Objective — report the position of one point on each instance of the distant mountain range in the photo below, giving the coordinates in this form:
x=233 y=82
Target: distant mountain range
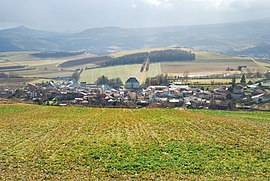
x=229 y=37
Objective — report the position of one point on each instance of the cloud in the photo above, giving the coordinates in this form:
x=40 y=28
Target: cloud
x=80 y=14
x=134 y=5
x=159 y=2
x=153 y=2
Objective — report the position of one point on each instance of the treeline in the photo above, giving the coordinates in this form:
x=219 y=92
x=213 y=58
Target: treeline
x=72 y=63
x=154 y=56
x=159 y=80
x=10 y=75
x=114 y=83
x=56 y=54
x=11 y=67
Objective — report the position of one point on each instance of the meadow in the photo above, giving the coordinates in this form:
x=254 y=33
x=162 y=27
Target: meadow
x=122 y=71
x=46 y=143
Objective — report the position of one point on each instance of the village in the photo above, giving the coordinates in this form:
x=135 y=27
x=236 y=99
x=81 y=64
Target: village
x=134 y=95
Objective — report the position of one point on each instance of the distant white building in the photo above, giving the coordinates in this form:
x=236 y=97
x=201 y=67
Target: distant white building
x=132 y=83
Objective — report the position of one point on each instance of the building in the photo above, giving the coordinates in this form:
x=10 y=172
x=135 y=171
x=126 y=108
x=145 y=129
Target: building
x=132 y=83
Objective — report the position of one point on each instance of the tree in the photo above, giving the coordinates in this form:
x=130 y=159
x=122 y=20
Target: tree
x=147 y=81
x=243 y=79
x=115 y=83
x=185 y=76
x=267 y=75
x=102 y=80
x=250 y=82
x=76 y=76
x=233 y=83
x=158 y=80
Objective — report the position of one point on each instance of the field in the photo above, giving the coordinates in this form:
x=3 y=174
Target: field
x=128 y=52
x=216 y=81
x=206 y=63
x=206 y=66
x=46 y=143
x=37 y=68
x=122 y=71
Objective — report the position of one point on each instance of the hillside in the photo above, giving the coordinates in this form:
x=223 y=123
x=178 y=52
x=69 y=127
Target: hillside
x=261 y=50
x=26 y=39
x=213 y=37
x=46 y=143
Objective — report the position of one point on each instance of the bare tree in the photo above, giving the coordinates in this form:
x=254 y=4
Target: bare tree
x=185 y=76
x=76 y=76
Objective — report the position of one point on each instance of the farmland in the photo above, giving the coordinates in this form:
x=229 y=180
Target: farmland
x=123 y=71
x=45 y=143
x=30 y=67
x=206 y=63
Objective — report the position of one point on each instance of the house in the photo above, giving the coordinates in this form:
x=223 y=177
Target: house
x=235 y=96
x=261 y=98
x=220 y=95
x=204 y=95
x=196 y=104
x=218 y=105
x=267 y=83
x=265 y=98
x=132 y=83
x=238 y=90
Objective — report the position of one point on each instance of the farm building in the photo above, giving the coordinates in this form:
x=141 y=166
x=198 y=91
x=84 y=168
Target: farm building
x=132 y=83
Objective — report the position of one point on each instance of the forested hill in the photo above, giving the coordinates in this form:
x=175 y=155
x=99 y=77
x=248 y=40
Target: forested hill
x=154 y=56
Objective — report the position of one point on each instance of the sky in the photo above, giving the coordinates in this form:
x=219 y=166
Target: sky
x=77 y=15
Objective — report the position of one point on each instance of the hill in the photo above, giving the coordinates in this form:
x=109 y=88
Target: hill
x=46 y=143
x=26 y=39
x=261 y=50
x=213 y=37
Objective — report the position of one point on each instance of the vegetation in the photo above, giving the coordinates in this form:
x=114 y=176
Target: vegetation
x=76 y=76
x=69 y=143
x=115 y=83
x=154 y=56
x=57 y=54
x=121 y=71
x=243 y=79
x=10 y=75
x=161 y=80
x=83 y=61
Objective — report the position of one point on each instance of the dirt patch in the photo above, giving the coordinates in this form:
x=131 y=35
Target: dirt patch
x=13 y=101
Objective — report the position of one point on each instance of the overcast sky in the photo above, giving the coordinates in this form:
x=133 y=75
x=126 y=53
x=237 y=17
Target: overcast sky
x=77 y=15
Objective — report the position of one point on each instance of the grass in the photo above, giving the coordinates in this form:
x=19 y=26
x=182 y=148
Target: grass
x=222 y=81
x=206 y=63
x=44 y=68
x=46 y=143
x=207 y=66
x=128 y=52
x=123 y=71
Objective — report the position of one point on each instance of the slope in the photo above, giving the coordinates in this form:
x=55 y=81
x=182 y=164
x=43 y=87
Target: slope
x=40 y=143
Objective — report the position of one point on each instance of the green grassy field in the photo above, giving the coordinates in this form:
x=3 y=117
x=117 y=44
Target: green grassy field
x=122 y=71
x=46 y=143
